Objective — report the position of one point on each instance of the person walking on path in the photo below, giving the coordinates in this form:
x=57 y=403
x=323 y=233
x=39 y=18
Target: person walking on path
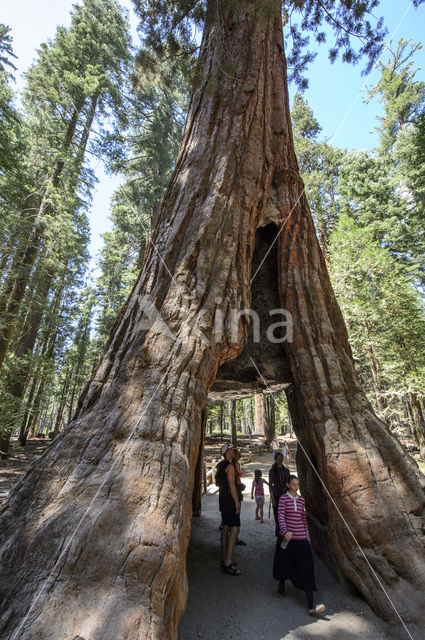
x=293 y=558
x=230 y=509
x=286 y=453
x=278 y=478
x=258 y=488
x=275 y=444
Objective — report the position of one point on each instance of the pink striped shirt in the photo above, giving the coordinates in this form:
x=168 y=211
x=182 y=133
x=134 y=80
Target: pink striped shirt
x=291 y=515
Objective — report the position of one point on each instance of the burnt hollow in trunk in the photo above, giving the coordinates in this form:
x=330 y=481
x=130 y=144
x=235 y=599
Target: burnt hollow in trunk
x=99 y=528
x=261 y=366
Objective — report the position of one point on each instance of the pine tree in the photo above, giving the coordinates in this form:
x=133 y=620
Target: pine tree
x=72 y=86
x=74 y=81
x=402 y=96
x=369 y=192
x=384 y=313
x=319 y=164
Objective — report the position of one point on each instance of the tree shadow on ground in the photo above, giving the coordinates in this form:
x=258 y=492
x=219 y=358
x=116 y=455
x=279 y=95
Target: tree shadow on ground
x=248 y=606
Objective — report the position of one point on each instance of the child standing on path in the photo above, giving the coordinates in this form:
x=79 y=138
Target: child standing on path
x=258 y=488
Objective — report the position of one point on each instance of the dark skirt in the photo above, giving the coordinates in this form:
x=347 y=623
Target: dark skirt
x=295 y=563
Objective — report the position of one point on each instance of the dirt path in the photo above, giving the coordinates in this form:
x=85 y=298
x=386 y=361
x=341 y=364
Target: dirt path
x=20 y=458
x=222 y=607
x=246 y=607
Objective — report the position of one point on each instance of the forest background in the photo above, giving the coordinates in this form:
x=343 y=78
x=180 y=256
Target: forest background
x=85 y=103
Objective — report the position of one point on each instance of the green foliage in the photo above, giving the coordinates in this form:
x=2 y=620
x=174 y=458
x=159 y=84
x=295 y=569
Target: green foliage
x=76 y=82
x=319 y=167
x=369 y=214
x=11 y=142
x=402 y=96
x=245 y=414
x=385 y=192
x=384 y=314
x=369 y=192
x=6 y=49
x=409 y=156
x=168 y=28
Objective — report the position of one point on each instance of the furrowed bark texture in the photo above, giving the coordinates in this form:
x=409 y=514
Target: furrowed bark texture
x=95 y=535
x=104 y=516
x=374 y=491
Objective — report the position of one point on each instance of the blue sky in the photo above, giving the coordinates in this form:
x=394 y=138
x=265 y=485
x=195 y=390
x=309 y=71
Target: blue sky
x=336 y=92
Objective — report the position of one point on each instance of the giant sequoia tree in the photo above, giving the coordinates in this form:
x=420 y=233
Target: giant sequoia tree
x=94 y=536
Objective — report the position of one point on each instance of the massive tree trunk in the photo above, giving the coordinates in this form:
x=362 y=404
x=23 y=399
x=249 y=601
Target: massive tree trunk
x=95 y=536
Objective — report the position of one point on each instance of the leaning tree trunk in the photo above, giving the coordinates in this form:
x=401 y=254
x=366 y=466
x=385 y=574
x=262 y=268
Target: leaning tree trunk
x=94 y=537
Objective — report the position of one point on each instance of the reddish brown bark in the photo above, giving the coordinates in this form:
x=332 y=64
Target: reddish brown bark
x=259 y=413
x=374 y=492
x=104 y=518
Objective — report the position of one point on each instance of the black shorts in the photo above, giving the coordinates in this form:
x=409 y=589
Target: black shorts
x=228 y=511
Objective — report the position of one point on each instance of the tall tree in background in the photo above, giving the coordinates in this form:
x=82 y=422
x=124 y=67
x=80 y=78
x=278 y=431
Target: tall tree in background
x=318 y=163
x=73 y=85
x=112 y=474
x=369 y=192
x=385 y=315
x=12 y=151
x=402 y=95
x=75 y=79
x=9 y=117
x=402 y=149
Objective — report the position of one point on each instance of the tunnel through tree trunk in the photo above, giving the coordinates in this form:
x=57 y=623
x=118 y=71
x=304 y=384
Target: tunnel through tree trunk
x=97 y=529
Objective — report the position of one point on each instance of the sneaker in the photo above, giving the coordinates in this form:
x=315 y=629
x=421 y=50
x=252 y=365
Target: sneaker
x=257 y=518
x=242 y=542
x=317 y=608
x=262 y=520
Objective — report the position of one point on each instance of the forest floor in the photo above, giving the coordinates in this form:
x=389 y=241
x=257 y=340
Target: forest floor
x=248 y=607
x=20 y=458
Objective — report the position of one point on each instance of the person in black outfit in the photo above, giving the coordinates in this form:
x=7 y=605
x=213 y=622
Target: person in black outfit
x=278 y=479
x=229 y=507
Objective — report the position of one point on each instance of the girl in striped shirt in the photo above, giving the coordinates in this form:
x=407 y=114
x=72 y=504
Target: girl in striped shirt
x=293 y=556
